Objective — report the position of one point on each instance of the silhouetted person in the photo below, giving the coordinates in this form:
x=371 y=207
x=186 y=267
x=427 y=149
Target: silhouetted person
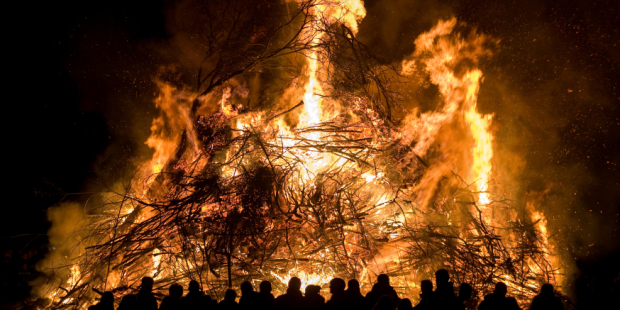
x=207 y=303
x=146 y=300
x=426 y=296
x=405 y=304
x=443 y=296
x=385 y=302
x=381 y=288
x=128 y=302
x=195 y=298
x=465 y=291
x=355 y=299
x=546 y=299
x=498 y=300
x=173 y=300
x=105 y=303
x=313 y=299
x=293 y=298
x=266 y=300
x=338 y=301
x=229 y=302
x=249 y=298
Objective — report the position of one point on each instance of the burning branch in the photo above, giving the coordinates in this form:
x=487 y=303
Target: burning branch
x=347 y=191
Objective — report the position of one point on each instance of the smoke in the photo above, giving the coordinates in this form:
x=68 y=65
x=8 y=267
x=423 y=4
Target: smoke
x=65 y=235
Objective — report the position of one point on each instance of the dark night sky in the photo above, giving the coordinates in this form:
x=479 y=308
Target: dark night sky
x=81 y=91
x=82 y=73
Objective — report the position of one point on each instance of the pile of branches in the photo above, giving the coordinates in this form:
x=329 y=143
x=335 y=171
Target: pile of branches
x=247 y=206
x=237 y=203
x=453 y=234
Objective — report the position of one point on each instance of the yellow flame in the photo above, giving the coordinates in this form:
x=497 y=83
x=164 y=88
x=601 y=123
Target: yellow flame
x=156 y=262
x=541 y=220
x=157 y=167
x=159 y=140
x=319 y=278
x=438 y=54
x=347 y=12
x=226 y=108
x=483 y=140
x=74 y=278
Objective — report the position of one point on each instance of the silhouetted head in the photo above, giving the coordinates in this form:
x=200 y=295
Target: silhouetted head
x=353 y=285
x=265 y=287
x=107 y=298
x=246 y=288
x=294 y=283
x=230 y=295
x=442 y=276
x=129 y=301
x=194 y=286
x=501 y=289
x=147 y=284
x=384 y=303
x=176 y=290
x=336 y=285
x=465 y=291
x=546 y=290
x=426 y=286
x=383 y=279
x=405 y=304
x=313 y=290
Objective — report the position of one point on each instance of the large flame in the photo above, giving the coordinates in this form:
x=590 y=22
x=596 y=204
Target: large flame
x=483 y=147
x=302 y=150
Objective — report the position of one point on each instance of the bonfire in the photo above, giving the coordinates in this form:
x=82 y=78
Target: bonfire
x=321 y=174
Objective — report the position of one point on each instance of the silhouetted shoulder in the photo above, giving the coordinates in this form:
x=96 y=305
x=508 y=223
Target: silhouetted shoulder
x=146 y=300
x=293 y=299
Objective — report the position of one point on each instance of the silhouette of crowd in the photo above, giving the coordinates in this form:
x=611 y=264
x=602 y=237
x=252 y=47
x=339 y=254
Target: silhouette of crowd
x=344 y=296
